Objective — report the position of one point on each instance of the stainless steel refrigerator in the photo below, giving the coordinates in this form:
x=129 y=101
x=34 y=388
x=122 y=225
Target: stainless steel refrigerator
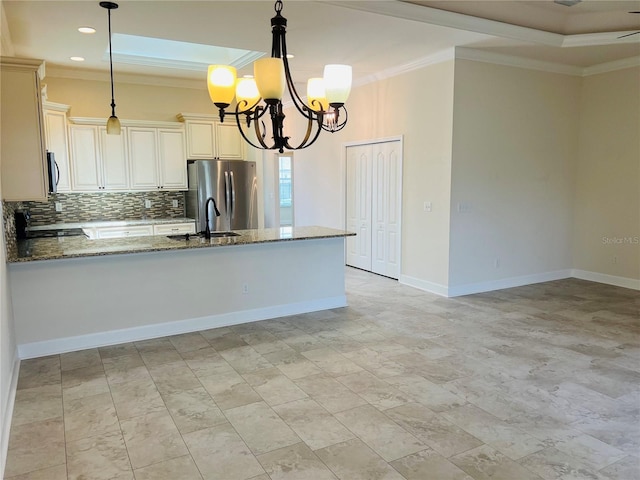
x=234 y=187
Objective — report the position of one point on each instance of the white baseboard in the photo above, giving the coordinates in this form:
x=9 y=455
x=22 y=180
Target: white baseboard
x=114 y=337
x=510 y=282
x=7 y=415
x=624 y=282
x=420 y=284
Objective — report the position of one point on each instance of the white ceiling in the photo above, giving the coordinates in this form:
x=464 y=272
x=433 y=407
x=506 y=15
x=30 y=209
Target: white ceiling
x=375 y=37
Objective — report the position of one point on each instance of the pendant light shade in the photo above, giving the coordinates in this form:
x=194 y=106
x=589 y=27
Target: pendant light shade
x=337 y=83
x=221 y=82
x=247 y=94
x=269 y=75
x=113 y=124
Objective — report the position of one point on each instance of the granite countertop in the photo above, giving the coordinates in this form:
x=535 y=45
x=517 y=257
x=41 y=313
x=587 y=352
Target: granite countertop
x=74 y=247
x=110 y=223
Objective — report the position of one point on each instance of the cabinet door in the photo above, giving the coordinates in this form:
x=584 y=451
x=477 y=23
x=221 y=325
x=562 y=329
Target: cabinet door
x=174 y=228
x=229 y=143
x=23 y=159
x=172 y=162
x=85 y=158
x=120 y=232
x=200 y=140
x=143 y=158
x=114 y=160
x=56 y=134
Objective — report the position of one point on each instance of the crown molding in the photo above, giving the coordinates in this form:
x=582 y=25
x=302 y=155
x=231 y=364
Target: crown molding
x=520 y=62
x=464 y=53
x=57 y=107
x=434 y=16
x=611 y=66
x=125 y=122
x=596 y=39
x=123 y=77
x=438 y=57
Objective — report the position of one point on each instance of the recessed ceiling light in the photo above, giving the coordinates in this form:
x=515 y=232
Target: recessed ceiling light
x=77 y=59
x=87 y=30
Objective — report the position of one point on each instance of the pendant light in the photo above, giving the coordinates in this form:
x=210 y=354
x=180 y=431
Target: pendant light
x=113 y=124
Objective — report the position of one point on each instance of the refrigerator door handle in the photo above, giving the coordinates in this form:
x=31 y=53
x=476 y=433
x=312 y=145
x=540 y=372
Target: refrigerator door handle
x=233 y=196
x=227 y=187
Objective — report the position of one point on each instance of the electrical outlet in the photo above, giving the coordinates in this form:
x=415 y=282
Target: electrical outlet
x=496 y=263
x=58 y=206
x=147 y=204
x=174 y=203
x=427 y=206
x=245 y=288
x=614 y=260
x=464 y=207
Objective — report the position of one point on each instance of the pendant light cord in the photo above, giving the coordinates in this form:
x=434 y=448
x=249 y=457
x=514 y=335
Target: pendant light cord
x=113 y=102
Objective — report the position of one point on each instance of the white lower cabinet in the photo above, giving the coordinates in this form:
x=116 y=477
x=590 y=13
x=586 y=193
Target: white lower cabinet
x=121 y=232
x=174 y=228
x=140 y=230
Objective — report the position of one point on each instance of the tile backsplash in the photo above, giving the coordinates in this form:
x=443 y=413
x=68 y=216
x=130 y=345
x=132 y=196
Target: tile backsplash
x=82 y=207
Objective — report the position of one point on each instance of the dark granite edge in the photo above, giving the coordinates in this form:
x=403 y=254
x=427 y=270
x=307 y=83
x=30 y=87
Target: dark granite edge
x=105 y=247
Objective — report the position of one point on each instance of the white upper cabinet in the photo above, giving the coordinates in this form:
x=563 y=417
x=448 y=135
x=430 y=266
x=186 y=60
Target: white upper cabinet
x=98 y=160
x=85 y=157
x=200 y=140
x=208 y=138
x=113 y=152
x=55 y=127
x=143 y=156
x=23 y=158
x=230 y=144
x=157 y=159
x=171 y=159
x=146 y=156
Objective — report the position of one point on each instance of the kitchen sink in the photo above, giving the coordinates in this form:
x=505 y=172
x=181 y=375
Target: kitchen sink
x=224 y=234
x=187 y=236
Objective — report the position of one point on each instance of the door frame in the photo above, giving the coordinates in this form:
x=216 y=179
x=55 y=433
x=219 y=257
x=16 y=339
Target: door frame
x=343 y=193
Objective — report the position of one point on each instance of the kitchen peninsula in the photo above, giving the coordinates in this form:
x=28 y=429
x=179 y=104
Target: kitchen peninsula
x=75 y=293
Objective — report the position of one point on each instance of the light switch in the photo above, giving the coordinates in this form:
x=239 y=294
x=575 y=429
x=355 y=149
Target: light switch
x=147 y=204
x=174 y=203
x=58 y=206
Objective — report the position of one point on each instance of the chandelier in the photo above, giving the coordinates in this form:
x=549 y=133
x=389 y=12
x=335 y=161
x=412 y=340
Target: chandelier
x=259 y=99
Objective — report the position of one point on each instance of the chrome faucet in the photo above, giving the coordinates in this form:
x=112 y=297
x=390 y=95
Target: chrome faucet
x=207 y=231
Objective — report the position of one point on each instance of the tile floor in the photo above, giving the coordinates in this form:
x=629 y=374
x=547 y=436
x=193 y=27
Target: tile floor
x=536 y=382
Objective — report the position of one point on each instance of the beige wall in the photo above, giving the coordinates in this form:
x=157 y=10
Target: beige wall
x=418 y=106
x=90 y=98
x=607 y=176
x=8 y=354
x=514 y=145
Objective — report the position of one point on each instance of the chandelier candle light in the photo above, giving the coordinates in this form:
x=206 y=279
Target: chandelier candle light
x=323 y=110
x=113 y=124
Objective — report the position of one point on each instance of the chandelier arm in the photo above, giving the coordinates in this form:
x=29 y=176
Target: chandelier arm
x=297 y=101
x=240 y=127
x=305 y=142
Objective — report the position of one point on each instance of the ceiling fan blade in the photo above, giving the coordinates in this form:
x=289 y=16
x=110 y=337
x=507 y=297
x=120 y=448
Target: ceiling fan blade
x=629 y=34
